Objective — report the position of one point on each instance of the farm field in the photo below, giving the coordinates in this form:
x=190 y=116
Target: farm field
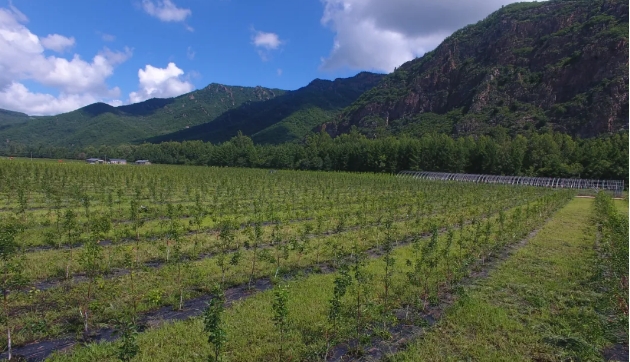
x=550 y=301
x=312 y=265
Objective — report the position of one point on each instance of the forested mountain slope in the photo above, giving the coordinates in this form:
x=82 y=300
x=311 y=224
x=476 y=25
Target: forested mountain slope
x=10 y=117
x=285 y=118
x=528 y=66
x=102 y=124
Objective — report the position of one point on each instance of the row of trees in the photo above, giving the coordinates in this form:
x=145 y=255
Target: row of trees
x=363 y=299
x=283 y=246
x=548 y=154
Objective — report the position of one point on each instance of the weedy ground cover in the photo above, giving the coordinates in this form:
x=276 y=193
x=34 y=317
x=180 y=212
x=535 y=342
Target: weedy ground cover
x=547 y=302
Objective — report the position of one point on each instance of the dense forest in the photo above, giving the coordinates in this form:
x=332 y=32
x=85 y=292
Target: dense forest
x=546 y=154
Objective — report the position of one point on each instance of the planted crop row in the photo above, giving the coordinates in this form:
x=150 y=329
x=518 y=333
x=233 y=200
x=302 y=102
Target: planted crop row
x=310 y=318
x=199 y=243
x=123 y=241
x=180 y=280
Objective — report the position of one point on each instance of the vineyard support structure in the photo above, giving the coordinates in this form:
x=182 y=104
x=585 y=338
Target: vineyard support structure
x=616 y=187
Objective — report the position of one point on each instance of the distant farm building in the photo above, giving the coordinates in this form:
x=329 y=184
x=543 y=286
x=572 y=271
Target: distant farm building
x=143 y=162
x=94 y=161
x=117 y=161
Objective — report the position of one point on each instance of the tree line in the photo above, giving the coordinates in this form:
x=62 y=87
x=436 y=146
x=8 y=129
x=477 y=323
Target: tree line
x=547 y=154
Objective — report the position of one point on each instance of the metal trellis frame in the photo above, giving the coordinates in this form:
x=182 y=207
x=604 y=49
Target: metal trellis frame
x=614 y=186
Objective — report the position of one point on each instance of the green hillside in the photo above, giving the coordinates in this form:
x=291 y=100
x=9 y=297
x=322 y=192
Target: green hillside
x=285 y=118
x=10 y=118
x=526 y=67
x=102 y=124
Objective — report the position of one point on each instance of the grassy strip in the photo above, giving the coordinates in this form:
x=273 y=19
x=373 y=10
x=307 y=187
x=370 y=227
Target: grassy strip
x=612 y=247
x=541 y=304
x=622 y=207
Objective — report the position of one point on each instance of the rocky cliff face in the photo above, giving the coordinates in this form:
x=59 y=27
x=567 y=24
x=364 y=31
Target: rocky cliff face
x=559 y=64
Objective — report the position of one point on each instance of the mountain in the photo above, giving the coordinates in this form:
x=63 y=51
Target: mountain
x=285 y=118
x=103 y=124
x=10 y=118
x=528 y=66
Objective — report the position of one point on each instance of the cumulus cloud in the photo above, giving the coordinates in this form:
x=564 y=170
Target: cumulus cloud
x=160 y=83
x=165 y=10
x=266 y=40
x=265 y=43
x=57 y=42
x=381 y=35
x=79 y=82
x=18 y=98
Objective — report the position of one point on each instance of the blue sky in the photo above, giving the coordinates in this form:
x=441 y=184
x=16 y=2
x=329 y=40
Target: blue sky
x=59 y=55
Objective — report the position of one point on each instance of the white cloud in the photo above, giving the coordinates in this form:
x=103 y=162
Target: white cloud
x=265 y=43
x=77 y=81
x=381 y=35
x=165 y=10
x=190 y=53
x=115 y=103
x=267 y=40
x=18 y=98
x=279 y=72
x=57 y=42
x=17 y=13
x=160 y=83
x=108 y=37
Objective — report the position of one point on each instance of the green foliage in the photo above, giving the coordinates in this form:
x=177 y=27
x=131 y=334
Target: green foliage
x=281 y=314
x=342 y=281
x=9 y=118
x=9 y=229
x=543 y=153
x=128 y=345
x=213 y=324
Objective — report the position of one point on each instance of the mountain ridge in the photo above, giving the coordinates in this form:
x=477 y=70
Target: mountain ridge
x=557 y=64
x=100 y=123
x=288 y=117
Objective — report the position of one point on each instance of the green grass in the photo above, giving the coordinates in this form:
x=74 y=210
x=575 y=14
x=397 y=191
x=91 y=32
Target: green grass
x=541 y=304
x=622 y=206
